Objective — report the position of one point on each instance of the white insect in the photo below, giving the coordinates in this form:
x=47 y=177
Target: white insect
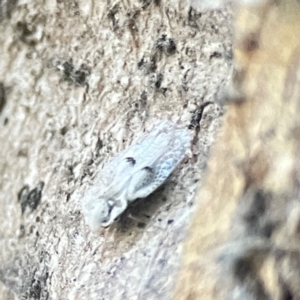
x=135 y=173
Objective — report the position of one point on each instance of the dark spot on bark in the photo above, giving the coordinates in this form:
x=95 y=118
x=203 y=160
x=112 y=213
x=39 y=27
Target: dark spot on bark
x=141 y=225
x=71 y=74
x=193 y=16
x=2 y=96
x=196 y=118
x=215 y=55
x=30 y=199
x=99 y=144
x=159 y=80
x=63 y=130
x=141 y=63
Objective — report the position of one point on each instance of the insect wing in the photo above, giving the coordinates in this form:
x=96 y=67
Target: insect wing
x=162 y=162
x=118 y=168
x=172 y=157
x=148 y=149
x=161 y=148
x=158 y=137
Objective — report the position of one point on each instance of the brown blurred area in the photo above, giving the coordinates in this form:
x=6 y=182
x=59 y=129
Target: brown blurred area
x=244 y=239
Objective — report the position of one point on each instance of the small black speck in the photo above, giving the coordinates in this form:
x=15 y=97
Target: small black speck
x=80 y=77
x=171 y=48
x=149 y=169
x=34 y=196
x=141 y=63
x=90 y=162
x=170 y=221
x=131 y=160
x=164 y=199
x=141 y=225
x=73 y=75
x=99 y=144
x=215 y=55
x=2 y=97
x=63 y=130
x=159 y=80
x=30 y=199
x=68 y=68
x=195 y=122
x=164 y=91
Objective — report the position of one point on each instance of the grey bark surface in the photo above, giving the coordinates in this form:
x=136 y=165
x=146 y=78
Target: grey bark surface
x=79 y=80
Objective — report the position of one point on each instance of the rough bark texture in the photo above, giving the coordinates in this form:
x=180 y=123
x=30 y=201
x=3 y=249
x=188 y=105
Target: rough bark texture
x=79 y=80
x=244 y=237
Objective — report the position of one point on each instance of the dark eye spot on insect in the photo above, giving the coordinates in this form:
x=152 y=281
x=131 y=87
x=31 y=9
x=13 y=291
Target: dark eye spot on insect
x=131 y=160
x=149 y=169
